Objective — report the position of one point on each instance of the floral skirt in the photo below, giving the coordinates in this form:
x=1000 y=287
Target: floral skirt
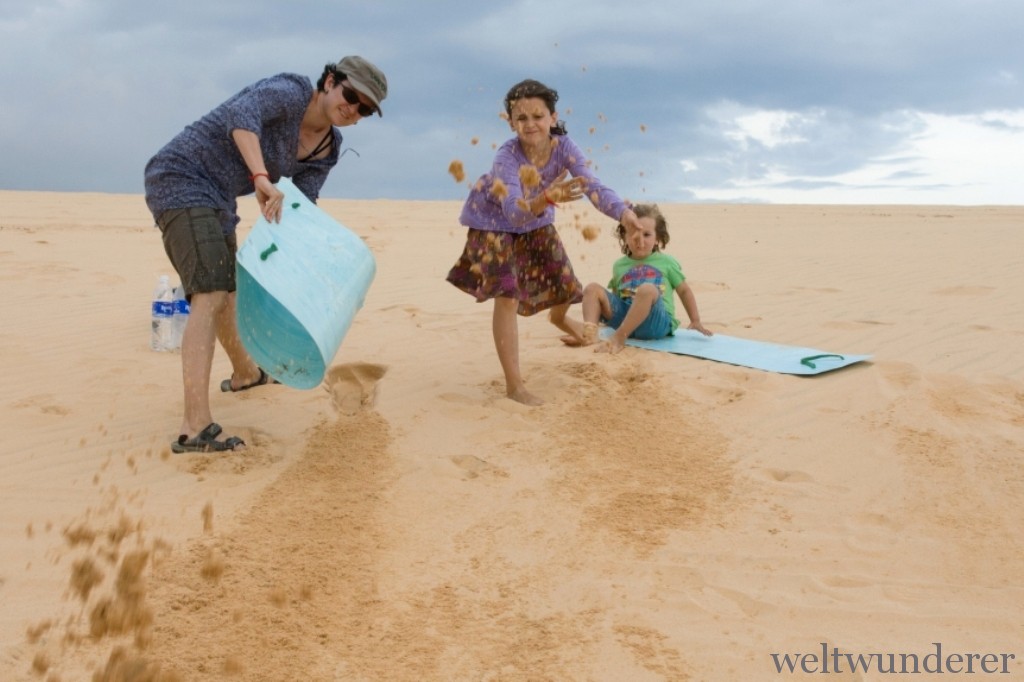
x=531 y=268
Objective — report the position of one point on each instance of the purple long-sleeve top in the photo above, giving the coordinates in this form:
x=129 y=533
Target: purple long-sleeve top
x=202 y=167
x=505 y=211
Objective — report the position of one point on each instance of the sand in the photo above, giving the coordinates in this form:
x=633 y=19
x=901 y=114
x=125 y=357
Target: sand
x=660 y=518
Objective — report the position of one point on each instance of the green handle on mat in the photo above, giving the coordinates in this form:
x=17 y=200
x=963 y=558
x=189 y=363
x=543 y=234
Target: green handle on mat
x=269 y=250
x=809 y=358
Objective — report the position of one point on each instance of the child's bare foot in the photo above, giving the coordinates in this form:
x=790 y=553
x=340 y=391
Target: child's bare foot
x=612 y=345
x=521 y=395
x=582 y=334
x=589 y=333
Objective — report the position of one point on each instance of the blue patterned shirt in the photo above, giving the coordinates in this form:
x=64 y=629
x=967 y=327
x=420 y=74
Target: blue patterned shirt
x=202 y=167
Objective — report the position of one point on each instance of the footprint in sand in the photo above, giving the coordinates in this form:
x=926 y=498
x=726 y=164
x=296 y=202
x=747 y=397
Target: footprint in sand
x=474 y=467
x=724 y=601
x=900 y=375
x=817 y=290
x=353 y=386
x=872 y=533
x=788 y=476
x=705 y=287
x=746 y=322
x=45 y=402
x=852 y=324
x=459 y=399
x=965 y=290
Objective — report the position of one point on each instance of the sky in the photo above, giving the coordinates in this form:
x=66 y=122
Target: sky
x=788 y=101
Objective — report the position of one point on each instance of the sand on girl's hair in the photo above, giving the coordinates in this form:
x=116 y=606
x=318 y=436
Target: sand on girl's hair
x=660 y=518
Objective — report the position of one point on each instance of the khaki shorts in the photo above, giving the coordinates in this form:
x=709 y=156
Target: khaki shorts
x=202 y=254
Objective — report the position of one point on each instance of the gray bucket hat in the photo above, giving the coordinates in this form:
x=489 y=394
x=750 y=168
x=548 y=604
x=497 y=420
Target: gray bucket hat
x=366 y=78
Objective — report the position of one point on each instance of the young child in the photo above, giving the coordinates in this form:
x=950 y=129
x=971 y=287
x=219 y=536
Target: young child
x=638 y=302
x=513 y=253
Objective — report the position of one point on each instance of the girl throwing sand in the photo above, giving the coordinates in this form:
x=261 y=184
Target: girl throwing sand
x=513 y=253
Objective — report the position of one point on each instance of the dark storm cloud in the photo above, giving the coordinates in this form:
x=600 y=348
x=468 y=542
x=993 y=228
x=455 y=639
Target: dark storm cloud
x=93 y=88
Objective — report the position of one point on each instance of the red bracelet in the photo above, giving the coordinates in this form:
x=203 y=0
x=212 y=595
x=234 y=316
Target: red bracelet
x=256 y=175
x=548 y=199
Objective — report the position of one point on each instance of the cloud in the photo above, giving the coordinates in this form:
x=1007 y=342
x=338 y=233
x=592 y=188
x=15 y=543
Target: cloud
x=748 y=93
x=905 y=157
x=769 y=129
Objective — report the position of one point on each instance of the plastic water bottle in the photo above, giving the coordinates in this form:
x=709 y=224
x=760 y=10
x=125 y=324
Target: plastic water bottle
x=180 y=317
x=163 y=315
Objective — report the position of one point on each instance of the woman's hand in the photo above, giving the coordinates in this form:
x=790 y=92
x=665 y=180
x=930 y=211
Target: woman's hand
x=269 y=198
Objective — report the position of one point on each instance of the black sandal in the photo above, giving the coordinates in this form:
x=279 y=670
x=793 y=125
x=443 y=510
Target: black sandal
x=225 y=386
x=206 y=441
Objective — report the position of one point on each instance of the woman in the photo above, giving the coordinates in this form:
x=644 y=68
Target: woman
x=277 y=127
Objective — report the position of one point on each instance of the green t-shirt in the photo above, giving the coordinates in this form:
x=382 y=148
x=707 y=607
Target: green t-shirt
x=659 y=269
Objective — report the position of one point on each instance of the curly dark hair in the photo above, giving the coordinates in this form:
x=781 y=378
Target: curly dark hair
x=330 y=70
x=532 y=88
x=660 y=226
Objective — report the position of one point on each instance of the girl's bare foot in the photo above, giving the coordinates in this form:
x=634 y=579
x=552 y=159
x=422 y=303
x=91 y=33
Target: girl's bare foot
x=521 y=395
x=582 y=334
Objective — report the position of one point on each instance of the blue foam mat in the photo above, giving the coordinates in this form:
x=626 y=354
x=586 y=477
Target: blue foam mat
x=770 y=357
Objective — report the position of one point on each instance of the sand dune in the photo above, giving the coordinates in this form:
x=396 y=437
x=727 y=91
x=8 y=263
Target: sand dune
x=661 y=518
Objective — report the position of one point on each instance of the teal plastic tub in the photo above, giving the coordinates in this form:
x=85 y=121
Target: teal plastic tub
x=300 y=284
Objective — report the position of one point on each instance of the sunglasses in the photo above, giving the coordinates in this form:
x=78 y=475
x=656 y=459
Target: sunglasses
x=352 y=97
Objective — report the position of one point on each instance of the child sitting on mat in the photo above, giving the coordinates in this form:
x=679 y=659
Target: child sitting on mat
x=638 y=302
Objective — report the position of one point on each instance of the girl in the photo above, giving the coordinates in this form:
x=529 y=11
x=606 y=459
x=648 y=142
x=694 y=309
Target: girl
x=513 y=253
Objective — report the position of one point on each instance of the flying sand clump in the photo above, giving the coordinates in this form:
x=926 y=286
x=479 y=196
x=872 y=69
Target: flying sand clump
x=456 y=170
x=213 y=566
x=126 y=666
x=85 y=576
x=529 y=175
x=207 y=515
x=126 y=611
x=498 y=189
